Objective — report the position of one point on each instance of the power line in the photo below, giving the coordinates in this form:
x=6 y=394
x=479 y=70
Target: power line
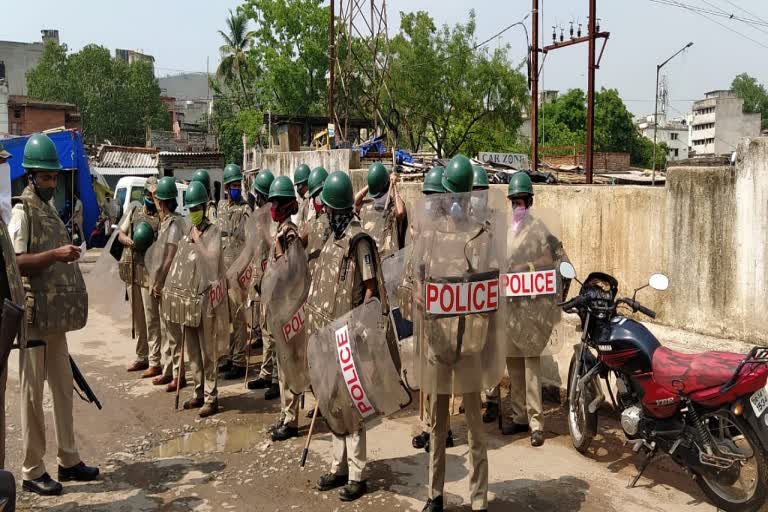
x=718 y=12
x=746 y=11
x=756 y=27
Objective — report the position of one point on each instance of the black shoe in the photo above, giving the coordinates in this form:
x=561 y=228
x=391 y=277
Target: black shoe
x=284 y=433
x=537 y=438
x=421 y=440
x=514 y=428
x=234 y=372
x=434 y=505
x=449 y=439
x=78 y=473
x=273 y=392
x=44 y=486
x=225 y=366
x=491 y=413
x=258 y=383
x=353 y=490
x=331 y=481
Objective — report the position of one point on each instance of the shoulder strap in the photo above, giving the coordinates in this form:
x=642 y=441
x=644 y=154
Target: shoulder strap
x=362 y=235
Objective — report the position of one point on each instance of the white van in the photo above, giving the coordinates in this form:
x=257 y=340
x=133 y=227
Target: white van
x=131 y=188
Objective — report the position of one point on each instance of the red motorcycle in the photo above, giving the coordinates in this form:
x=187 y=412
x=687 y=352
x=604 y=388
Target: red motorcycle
x=707 y=411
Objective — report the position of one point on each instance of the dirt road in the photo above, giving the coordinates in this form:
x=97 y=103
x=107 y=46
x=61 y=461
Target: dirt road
x=153 y=458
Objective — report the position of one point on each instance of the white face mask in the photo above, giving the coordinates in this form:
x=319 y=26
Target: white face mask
x=5 y=192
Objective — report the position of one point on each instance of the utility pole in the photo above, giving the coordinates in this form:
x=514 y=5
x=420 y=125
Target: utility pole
x=593 y=32
x=332 y=68
x=534 y=74
x=590 y=91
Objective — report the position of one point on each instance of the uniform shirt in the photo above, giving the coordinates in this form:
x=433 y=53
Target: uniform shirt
x=366 y=269
x=19 y=228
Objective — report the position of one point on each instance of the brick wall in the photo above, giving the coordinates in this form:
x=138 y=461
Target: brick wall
x=602 y=161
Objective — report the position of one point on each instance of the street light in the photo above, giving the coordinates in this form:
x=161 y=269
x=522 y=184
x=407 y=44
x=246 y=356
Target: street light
x=656 y=106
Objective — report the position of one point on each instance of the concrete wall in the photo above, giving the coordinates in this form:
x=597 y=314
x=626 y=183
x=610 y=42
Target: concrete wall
x=283 y=164
x=731 y=124
x=602 y=161
x=19 y=58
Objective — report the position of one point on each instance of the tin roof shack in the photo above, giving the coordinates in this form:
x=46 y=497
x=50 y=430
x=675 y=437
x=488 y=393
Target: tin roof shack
x=114 y=162
x=27 y=116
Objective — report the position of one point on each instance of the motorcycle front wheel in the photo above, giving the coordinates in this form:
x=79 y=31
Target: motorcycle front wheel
x=582 y=424
x=743 y=487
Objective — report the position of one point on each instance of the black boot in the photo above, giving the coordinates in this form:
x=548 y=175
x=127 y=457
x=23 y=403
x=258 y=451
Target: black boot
x=331 y=481
x=420 y=441
x=434 y=505
x=284 y=433
x=449 y=439
x=537 y=438
x=510 y=429
x=353 y=490
x=225 y=366
x=78 y=473
x=273 y=392
x=258 y=383
x=491 y=413
x=234 y=372
x=44 y=486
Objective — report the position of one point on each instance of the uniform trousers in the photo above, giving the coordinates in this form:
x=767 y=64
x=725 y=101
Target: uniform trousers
x=151 y=315
x=238 y=338
x=139 y=323
x=524 y=391
x=201 y=354
x=349 y=455
x=171 y=346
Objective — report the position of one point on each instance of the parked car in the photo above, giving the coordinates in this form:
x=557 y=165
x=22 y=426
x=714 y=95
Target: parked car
x=131 y=188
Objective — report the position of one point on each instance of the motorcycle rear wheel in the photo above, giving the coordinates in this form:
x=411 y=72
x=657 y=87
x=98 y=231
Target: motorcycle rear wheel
x=582 y=424
x=744 y=486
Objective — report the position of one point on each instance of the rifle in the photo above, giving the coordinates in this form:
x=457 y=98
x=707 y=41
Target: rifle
x=89 y=397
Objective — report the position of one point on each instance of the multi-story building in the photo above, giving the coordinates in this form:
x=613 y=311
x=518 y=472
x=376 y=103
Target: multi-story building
x=673 y=133
x=719 y=123
x=18 y=58
x=131 y=56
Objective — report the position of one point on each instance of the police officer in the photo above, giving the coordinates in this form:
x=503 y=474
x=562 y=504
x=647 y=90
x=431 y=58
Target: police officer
x=56 y=302
x=346 y=276
x=284 y=204
x=381 y=209
x=267 y=378
x=315 y=231
x=199 y=263
x=204 y=177
x=232 y=214
x=300 y=179
x=145 y=309
x=169 y=235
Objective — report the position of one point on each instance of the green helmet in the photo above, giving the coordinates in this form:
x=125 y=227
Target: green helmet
x=281 y=187
x=263 y=181
x=458 y=176
x=40 y=154
x=301 y=174
x=196 y=195
x=143 y=236
x=166 y=189
x=520 y=183
x=480 y=181
x=337 y=191
x=232 y=174
x=316 y=179
x=203 y=177
x=378 y=179
x=433 y=181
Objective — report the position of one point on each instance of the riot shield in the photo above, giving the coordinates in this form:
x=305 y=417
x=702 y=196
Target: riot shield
x=393 y=268
x=106 y=289
x=247 y=269
x=531 y=284
x=284 y=291
x=153 y=257
x=454 y=282
x=351 y=370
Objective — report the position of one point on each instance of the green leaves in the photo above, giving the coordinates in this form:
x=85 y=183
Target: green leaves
x=117 y=101
x=754 y=95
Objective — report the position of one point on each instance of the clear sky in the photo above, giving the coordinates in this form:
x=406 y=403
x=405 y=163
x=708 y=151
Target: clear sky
x=182 y=34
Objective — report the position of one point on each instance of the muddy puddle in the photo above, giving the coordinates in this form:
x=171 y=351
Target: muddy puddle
x=221 y=439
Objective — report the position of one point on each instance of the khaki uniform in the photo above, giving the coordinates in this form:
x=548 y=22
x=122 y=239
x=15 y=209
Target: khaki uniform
x=187 y=304
x=529 y=324
x=318 y=233
x=170 y=333
x=231 y=221
x=56 y=302
x=305 y=208
x=211 y=211
x=382 y=225
x=337 y=287
x=145 y=309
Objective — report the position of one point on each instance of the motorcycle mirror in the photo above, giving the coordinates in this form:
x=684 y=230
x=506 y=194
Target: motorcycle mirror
x=567 y=270
x=658 y=282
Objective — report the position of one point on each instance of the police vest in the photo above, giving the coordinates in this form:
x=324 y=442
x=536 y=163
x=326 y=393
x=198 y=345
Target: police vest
x=318 y=233
x=382 y=226
x=231 y=221
x=56 y=298
x=131 y=266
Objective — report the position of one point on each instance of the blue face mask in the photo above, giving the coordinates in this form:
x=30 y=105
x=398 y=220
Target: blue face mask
x=149 y=204
x=234 y=194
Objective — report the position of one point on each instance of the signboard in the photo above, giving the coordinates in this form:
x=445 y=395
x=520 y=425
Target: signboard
x=462 y=298
x=529 y=284
x=331 y=130
x=349 y=372
x=517 y=160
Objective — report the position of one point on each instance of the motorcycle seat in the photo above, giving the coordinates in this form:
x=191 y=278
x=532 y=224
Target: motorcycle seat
x=678 y=371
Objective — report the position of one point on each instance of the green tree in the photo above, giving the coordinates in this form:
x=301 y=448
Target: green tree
x=451 y=95
x=234 y=62
x=117 y=101
x=754 y=95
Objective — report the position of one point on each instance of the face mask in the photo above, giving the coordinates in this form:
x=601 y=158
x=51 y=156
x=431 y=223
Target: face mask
x=339 y=220
x=280 y=213
x=380 y=202
x=43 y=193
x=519 y=213
x=318 y=205
x=197 y=217
x=5 y=192
x=234 y=195
x=150 y=205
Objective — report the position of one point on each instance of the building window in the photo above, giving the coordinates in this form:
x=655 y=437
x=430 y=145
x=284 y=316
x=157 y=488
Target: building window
x=676 y=153
x=17 y=114
x=673 y=136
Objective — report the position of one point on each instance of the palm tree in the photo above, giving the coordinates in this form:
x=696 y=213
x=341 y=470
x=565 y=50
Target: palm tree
x=233 y=51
